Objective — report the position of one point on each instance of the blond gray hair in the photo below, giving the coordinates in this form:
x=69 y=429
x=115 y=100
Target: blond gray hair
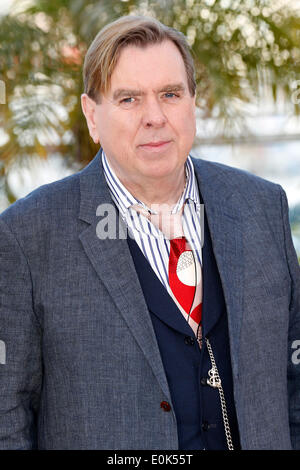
x=103 y=53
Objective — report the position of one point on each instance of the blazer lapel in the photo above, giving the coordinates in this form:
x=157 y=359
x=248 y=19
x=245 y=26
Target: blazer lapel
x=113 y=263
x=225 y=222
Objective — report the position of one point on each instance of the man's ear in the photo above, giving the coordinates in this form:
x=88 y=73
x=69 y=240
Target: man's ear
x=88 y=107
x=195 y=99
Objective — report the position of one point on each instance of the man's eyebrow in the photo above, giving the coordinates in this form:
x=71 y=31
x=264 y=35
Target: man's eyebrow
x=173 y=87
x=120 y=92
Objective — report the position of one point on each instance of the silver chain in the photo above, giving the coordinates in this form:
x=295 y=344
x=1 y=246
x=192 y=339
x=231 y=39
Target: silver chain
x=214 y=381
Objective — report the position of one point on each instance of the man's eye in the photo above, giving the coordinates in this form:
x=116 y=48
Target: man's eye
x=170 y=94
x=127 y=100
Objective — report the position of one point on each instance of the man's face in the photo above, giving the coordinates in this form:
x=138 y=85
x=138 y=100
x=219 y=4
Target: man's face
x=146 y=121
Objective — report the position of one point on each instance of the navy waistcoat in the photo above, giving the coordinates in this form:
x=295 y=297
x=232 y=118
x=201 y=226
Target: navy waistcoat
x=196 y=405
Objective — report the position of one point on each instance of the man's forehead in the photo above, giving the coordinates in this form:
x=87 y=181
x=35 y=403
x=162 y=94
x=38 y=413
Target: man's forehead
x=152 y=61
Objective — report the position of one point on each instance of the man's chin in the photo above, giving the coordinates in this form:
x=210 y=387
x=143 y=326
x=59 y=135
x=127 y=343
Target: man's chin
x=159 y=171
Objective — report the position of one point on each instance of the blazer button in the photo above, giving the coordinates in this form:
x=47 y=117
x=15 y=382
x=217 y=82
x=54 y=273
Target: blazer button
x=205 y=426
x=165 y=406
x=203 y=381
x=189 y=340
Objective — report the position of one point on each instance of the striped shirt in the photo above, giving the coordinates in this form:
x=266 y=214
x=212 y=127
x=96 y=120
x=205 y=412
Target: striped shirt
x=151 y=240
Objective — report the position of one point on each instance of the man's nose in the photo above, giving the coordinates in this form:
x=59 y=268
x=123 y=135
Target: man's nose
x=153 y=113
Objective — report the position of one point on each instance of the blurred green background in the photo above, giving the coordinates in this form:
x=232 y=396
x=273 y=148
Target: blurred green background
x=247 y=56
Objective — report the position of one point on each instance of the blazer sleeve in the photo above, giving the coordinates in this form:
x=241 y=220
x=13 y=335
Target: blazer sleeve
x=20 y=346
x=294 y=330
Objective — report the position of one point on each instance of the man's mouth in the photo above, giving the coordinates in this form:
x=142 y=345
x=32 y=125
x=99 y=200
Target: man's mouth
x=155 y=146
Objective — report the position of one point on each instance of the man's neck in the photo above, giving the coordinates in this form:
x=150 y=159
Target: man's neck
x=164 y=193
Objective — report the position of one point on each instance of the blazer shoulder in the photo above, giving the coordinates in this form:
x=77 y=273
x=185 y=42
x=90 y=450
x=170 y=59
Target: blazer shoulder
x=240 y=179
x=59 y=196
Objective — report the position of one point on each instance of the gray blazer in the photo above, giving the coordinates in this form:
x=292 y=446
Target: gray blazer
x=80 y=366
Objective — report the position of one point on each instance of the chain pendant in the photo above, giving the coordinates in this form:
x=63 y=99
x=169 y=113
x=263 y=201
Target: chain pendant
x=214 y=379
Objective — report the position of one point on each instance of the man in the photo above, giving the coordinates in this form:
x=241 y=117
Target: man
x=178 y=329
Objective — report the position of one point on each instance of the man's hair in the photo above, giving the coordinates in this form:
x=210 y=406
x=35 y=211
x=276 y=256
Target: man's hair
x=104 y=52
